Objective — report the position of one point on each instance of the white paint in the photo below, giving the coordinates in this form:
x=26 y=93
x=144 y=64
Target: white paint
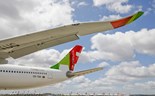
x=11 y=80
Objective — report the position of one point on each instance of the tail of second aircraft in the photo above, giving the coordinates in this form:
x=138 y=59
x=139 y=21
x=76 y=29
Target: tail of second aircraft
x=69 y=61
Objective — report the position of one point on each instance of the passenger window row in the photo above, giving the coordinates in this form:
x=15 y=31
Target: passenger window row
x=25 y=72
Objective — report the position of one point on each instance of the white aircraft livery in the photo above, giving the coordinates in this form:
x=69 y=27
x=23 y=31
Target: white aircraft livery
x=18 y=77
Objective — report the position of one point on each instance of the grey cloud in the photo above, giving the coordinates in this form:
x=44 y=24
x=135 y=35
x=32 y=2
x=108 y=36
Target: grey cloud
x=19 y=17
x=9 y=10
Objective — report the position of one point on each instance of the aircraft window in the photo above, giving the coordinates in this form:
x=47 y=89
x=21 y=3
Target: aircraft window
x=43 y=76
x=6 y=70
x=31 y=72
x=3 y=70
x=9 y=71
x=14 y=71
x=22 y=71
x=19 y=71
x=0 y=70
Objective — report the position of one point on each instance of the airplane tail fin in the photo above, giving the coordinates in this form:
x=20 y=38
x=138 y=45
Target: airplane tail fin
x=69 y=61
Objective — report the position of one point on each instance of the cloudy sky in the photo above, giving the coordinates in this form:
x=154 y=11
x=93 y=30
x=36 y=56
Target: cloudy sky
x=127 y=53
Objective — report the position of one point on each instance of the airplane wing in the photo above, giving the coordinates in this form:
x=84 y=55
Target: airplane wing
x=80 y=73
x=23 y=45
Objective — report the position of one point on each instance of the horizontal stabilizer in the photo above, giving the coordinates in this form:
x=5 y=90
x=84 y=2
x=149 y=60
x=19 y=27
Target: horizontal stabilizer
x=80 y=73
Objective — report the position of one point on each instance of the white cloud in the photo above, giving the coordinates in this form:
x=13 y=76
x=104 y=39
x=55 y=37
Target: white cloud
x=112 y=47
x=119 y=6
x=103 y=64
x=110 y=17
x=43 y=58
x=132 y=69
x=19 y=17
x=85 y=57
x=143 y=41
x=82 y=4
x=146 y=85
x=120 y=46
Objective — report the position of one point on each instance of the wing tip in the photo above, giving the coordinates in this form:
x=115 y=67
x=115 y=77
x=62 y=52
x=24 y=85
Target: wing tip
x=127 y=20
x=100 y=68
x=135 y=16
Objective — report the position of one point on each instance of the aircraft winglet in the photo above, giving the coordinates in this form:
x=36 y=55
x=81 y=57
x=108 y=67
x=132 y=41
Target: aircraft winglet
x=127 y=20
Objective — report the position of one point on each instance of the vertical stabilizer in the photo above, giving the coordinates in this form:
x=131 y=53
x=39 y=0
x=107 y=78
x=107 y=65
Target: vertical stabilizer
x=70 y=59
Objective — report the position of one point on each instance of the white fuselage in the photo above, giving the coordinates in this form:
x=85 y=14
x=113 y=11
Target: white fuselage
x=19 y=77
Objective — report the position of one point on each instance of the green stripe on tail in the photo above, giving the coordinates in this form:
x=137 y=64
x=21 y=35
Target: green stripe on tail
x=70 y=59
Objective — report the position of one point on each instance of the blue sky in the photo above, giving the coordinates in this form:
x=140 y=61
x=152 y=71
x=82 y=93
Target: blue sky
x=127 y=53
